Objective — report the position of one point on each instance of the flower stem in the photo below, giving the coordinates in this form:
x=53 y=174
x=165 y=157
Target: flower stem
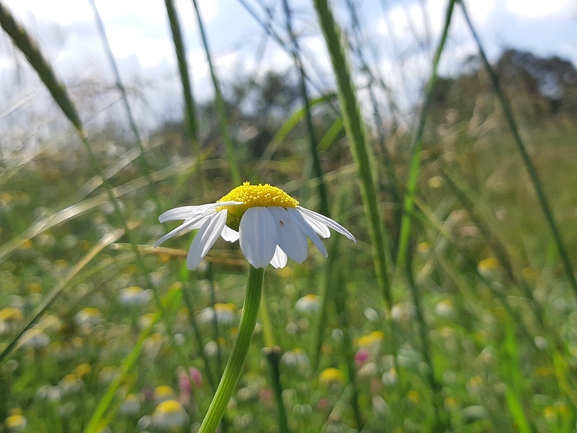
x=235 y=362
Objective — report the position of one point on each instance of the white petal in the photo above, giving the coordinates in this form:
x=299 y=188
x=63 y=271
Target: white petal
x=189 y=224
x=178 y=213
x=318 y=227
x=307 y=229
x=229 y=234
x=205 y=239
x=186 y=212
x=279 y=259
x=258 y=236
x=291 y=238
x=326 y=221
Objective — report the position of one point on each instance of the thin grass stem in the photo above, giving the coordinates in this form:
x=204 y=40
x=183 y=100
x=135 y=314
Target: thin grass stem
x=273 y=356
x=124 y=97
x=417 y=145
x=527 y=161
x=313 y=142
x=219 y=101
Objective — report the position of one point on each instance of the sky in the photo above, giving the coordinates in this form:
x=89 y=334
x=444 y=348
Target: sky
x=401 y=36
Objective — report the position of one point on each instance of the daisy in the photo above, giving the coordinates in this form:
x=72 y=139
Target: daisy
x=269 y=223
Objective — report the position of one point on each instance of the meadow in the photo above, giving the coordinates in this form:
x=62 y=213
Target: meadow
x=453 y=311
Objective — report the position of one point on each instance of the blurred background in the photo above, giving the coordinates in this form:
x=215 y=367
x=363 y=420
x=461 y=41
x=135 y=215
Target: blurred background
x=453 y=312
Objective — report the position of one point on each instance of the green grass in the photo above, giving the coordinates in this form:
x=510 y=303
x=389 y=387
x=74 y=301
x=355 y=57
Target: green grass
x=451 y=341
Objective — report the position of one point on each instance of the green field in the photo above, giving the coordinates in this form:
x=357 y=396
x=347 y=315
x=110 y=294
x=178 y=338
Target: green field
x=453 y=311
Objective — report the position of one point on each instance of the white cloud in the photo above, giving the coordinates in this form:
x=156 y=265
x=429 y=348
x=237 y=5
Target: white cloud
x=538 y=8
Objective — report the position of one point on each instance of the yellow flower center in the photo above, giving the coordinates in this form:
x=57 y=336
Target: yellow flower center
x=169 y=406
x=254 y=196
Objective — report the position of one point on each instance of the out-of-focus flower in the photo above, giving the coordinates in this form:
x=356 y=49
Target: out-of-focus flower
x=108 y=374
x=70 y=384
x=82 y=370
x=268 y=222
x=451 y=403
x=474 y=385
x=34 y=338
x=331 y=376
x=489 y=267
x=371 y=343
x=361 y=357
x=145 y=320
x=50 y=323
x=10 y=314
x=530 y=274
x=403 y=313
x=130 y=406
x=370 y=369
x=185 y=382
x=308 y=303
x=16 y=421
x=444 y=308
x=168 y=415
x=163 y=393
x=413 y=396
x=435 y=182
x=88 y=317
x=225 y=314
x=134 y=295
x=285 y=272
x=211 y=348
x=296 y=358
x=389 y=377
x=424 y=248
x=50 y=393
x=9 y=317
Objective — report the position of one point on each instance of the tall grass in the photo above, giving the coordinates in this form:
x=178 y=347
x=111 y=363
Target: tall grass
x=477 y=330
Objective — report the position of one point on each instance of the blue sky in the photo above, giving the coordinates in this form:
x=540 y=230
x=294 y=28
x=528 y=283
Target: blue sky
x=140 y=39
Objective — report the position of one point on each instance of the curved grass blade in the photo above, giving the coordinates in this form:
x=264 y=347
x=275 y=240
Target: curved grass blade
x=331 y=135
x=28 y=47
x=89 y=204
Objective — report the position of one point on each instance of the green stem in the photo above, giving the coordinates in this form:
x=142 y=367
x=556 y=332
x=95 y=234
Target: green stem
x=362 y=154
x=235 y=363
x=180 y=51
x=273 y=356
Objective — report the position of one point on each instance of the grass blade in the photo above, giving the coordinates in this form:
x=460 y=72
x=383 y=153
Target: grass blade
x=28 y=47
x=529 y=165
x=184 y=72
x=313 y=144
x=230 y=154
x=354 y=125
x=417 y=145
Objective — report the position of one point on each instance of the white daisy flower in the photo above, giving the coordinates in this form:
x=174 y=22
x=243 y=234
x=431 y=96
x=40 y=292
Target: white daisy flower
x=269 y=223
